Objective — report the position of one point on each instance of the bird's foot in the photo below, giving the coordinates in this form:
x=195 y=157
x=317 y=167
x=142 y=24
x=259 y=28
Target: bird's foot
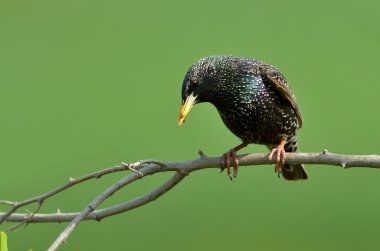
x=280 y=156
x=226 y=163
x=226 y=160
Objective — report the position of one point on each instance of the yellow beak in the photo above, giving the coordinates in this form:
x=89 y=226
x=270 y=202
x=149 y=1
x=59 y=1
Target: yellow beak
x=186 y=107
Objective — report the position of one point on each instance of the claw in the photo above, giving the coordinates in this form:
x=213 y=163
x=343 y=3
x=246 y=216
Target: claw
x=226 y=160
x=236 y=163
x=280 y=156
x=227 y=157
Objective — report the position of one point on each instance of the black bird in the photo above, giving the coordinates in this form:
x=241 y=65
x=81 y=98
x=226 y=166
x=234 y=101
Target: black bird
x=254 y=101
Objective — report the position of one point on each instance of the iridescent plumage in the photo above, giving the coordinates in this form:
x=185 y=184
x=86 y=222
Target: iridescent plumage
x=254 y=101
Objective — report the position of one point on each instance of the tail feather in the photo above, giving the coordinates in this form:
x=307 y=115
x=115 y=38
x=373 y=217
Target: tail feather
x=293 y=172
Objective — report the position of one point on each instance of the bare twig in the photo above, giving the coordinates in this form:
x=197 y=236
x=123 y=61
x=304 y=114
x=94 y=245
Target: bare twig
x=27 y=219
x=72 y=182
x=325 y=158
x=133 y=204
x=153 y=166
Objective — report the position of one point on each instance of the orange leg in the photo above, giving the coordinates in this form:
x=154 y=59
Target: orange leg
x=280 y=156
x=226 y=160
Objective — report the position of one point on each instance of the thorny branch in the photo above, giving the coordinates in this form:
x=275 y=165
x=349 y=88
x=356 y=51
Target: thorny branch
x=146 y=167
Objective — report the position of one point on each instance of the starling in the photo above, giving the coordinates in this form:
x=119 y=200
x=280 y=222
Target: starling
x=254 y=101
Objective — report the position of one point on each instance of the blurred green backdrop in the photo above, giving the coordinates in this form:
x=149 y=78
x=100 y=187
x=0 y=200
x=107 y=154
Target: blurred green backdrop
x=87 y=84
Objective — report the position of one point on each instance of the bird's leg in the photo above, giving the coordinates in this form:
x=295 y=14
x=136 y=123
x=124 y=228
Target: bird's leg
x=226 y=160
x=280 y=156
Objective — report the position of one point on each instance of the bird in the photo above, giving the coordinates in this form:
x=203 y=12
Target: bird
x=255 y=103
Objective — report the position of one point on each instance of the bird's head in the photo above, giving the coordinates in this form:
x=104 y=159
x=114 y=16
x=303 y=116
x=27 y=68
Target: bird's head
x=201 y=82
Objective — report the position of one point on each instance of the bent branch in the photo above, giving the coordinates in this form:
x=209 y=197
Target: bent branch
x=146 y=167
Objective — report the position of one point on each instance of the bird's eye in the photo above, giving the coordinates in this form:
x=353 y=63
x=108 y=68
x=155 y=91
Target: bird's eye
x=192 y=85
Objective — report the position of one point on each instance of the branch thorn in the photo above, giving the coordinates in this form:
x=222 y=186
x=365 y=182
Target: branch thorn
x=132 y=167
x=201 y=154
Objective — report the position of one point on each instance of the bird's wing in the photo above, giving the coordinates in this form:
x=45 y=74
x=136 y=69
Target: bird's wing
x=279 y=82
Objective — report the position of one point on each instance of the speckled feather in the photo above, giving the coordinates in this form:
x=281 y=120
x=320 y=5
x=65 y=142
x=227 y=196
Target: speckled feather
x=252 y=97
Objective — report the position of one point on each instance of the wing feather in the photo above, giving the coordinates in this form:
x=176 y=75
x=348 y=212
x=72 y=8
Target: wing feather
x=279 y=82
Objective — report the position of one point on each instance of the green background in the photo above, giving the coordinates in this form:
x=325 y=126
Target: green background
x=85 y=85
